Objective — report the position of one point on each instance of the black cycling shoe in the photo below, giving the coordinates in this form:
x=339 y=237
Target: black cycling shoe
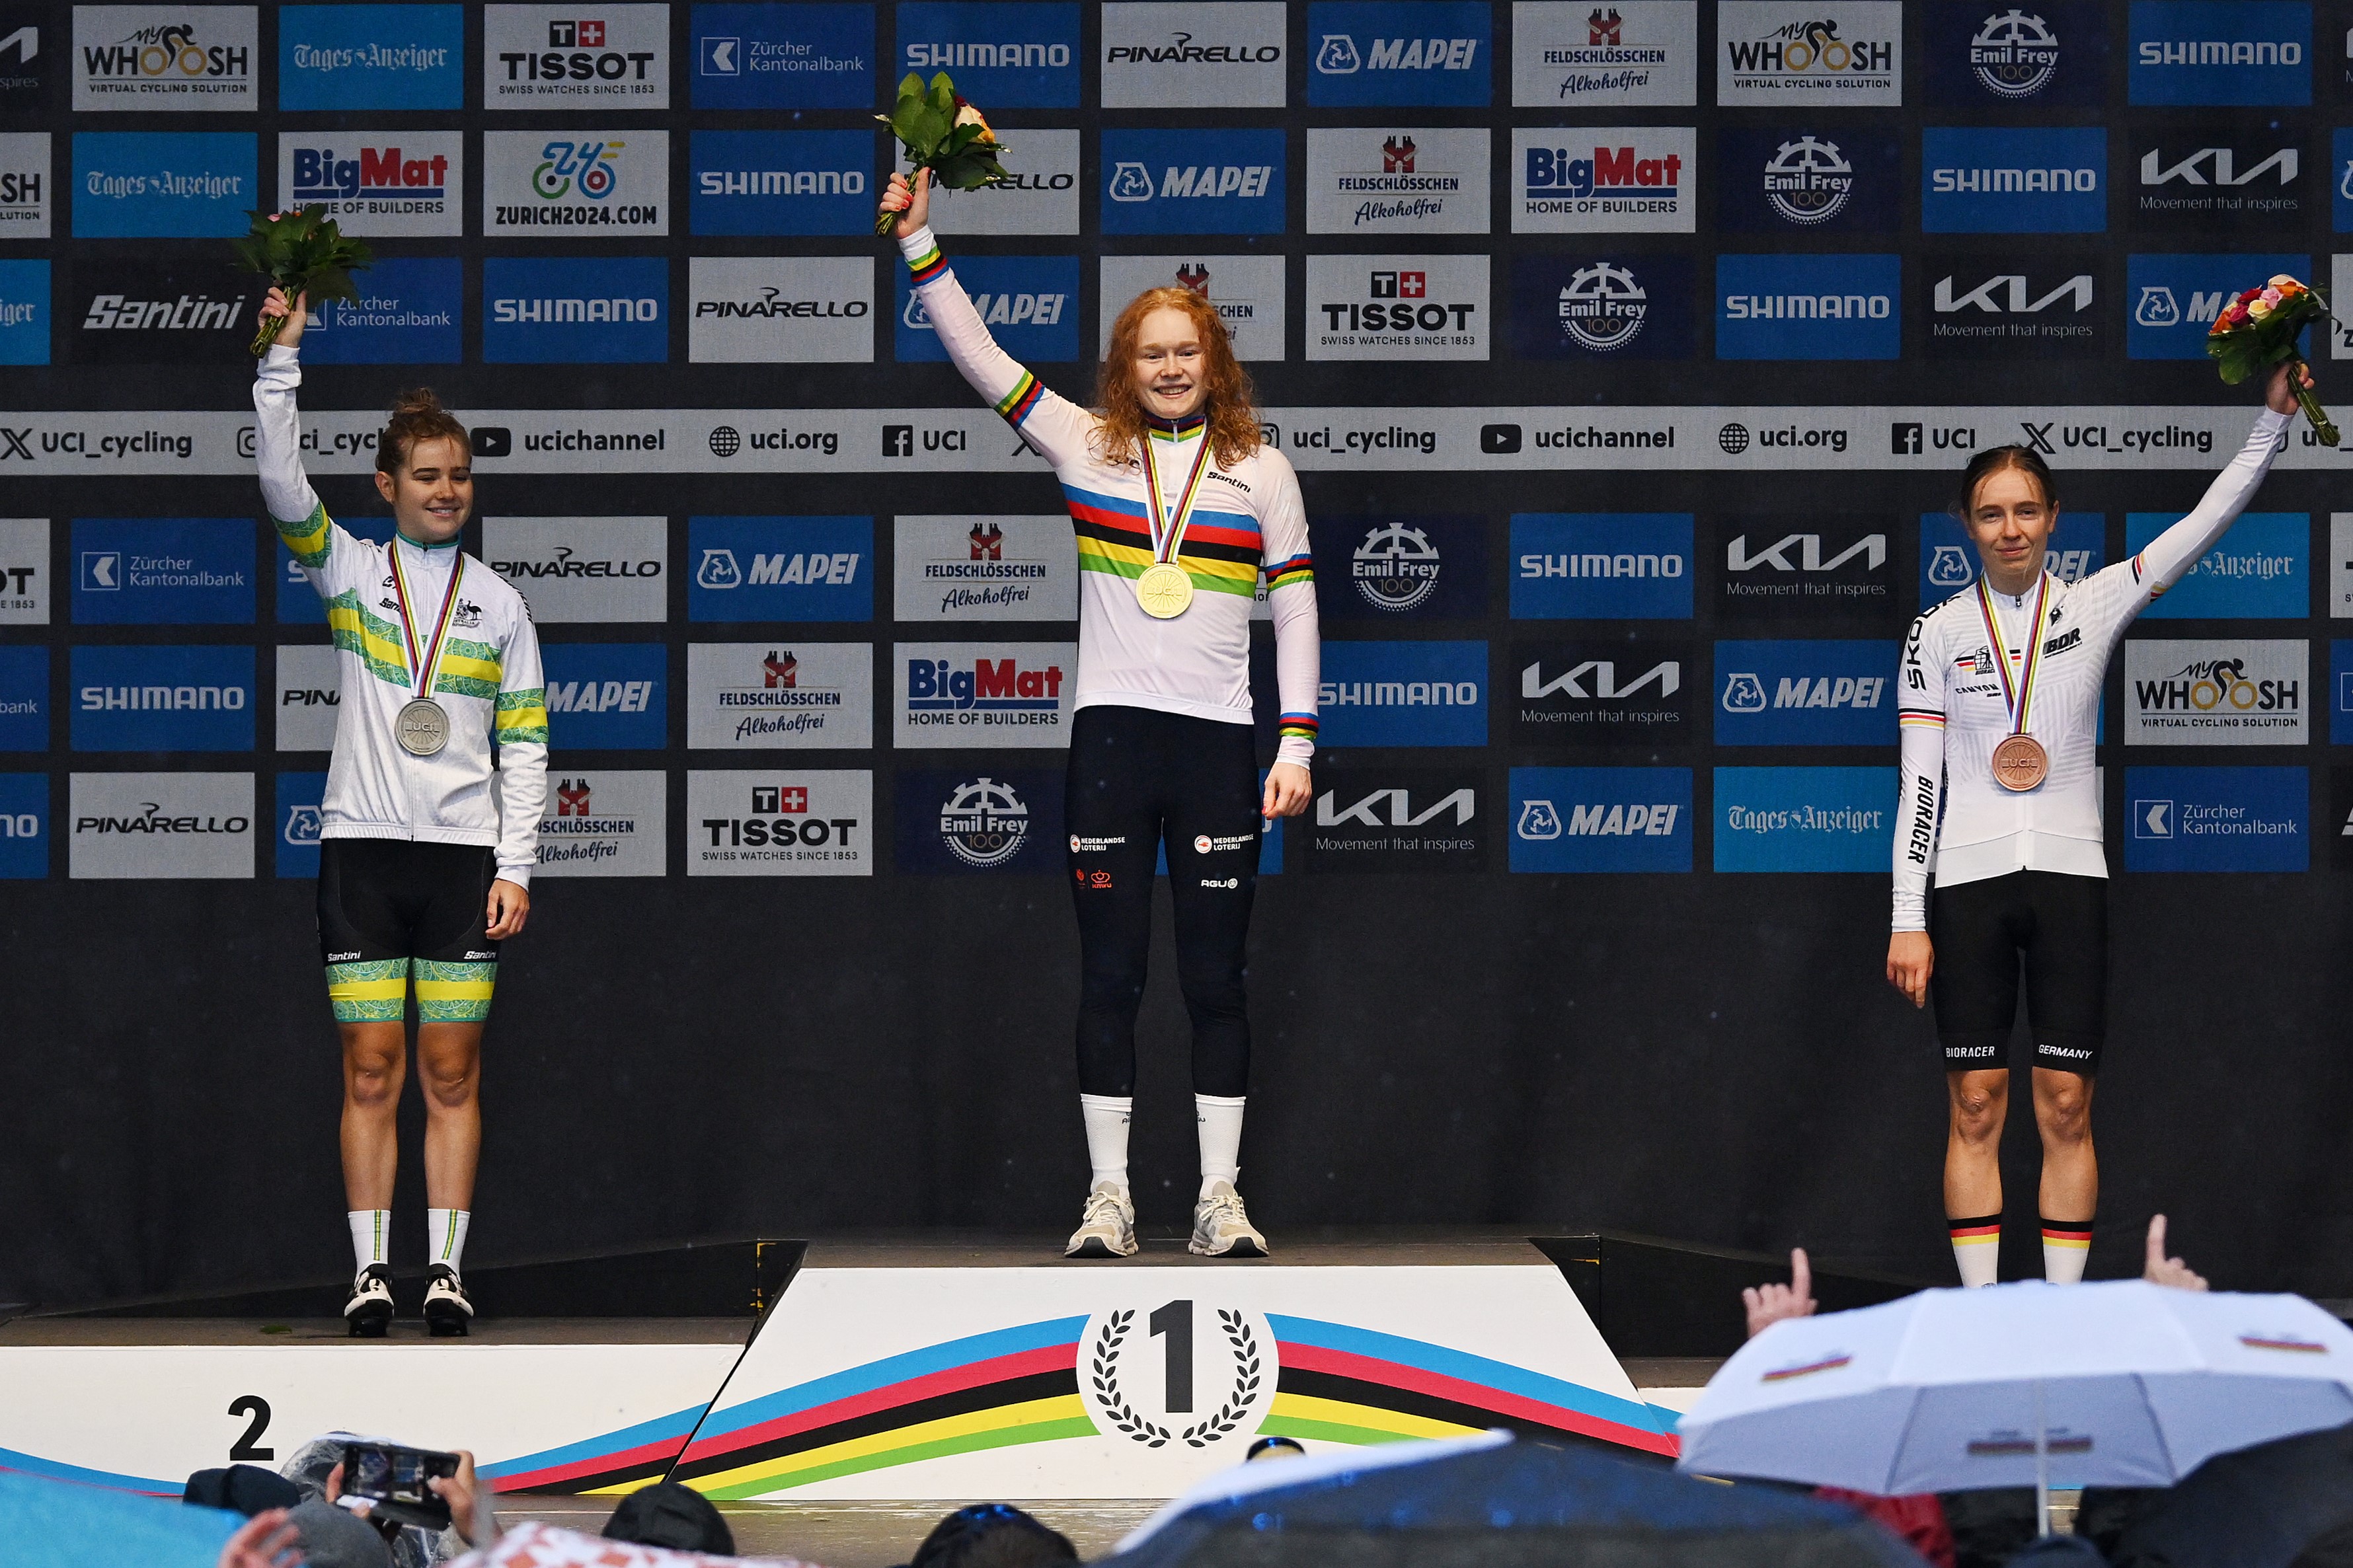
x=369 y=1311
x=448 y=1315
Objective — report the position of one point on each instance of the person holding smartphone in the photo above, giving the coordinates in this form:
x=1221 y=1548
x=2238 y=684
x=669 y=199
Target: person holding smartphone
x=423 y=865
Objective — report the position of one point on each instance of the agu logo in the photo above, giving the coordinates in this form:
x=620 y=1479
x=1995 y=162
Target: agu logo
x=1398 y=51
x=1602 y=819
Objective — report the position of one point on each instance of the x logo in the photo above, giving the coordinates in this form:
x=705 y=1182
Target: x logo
x=2038 y=436
x=16 y=440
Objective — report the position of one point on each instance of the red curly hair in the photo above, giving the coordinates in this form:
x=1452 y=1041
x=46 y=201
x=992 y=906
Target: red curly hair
x=1229 y=399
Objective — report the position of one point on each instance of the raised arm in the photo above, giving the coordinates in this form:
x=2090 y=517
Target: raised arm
x=295 y=509
x=1057 y=428
x=1298 y=638
x=2163 y=562
x=1920 y=784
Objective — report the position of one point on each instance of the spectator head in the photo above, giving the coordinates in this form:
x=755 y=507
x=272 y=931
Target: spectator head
x=334 y=1537
x=992 y=1535
x=669 y=1514
x=248 y=1489
x=1275 y=1448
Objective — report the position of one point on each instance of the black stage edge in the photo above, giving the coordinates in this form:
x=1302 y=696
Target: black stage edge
x=1650 y=1297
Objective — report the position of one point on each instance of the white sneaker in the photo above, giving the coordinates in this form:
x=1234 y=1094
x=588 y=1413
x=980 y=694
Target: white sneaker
x=369 y=1311
x=1107 y=1228
x=448 y=1313
x=1221 y=1229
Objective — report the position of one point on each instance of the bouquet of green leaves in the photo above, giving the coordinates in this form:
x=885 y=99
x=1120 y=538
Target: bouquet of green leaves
x=942 y=132
x=302 y=252
x=2258 y=329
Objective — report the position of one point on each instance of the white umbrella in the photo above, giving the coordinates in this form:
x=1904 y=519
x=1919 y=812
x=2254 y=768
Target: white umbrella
x=2116 y=1383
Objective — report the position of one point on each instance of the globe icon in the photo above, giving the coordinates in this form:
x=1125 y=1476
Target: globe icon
x=1733 y=439
x=725 y=441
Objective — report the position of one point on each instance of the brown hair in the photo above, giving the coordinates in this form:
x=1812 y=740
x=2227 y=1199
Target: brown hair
x=417 y=416
x=1994 y=460
x=1229 y=399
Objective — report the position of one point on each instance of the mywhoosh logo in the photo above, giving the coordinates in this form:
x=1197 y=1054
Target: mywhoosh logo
x=175 y=59
x=1396 y=180
x=2001 y=181
x=377 y=181
x=1601 y=565
x=1601 y=819
x=571 y=57
x=762 y=823
x=1398 y=307
x=347 y=58
x=574 y=310
x=2217 y=693
x=185 y=184
x=157 y=826
x=1030 y=303
x=1579 y=52
x=2250 y=52
x=1808 y=307
x=2216 y=819
x=1398 y=819
x=1006 y=54
x=1842 y=54
x=772 y=694
x=1804 y=819
x=1404 y=694
x=1197 y=182
x=1635 y=179
x=789 y=182
x=785 y=57
x=1365 y=52
x=1157 y=54
x=24 y=189
x=608 y=696
x=609 y=822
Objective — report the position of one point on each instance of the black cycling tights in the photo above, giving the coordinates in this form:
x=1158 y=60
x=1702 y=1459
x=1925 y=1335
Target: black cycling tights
x=1138 y=776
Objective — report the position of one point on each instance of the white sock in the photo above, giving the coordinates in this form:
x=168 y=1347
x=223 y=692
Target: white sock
x=371 y=1237
x=2065 y=1249
x=444 y=1237
x=1219 y=1120
x=1977 y=1248
x=1106 y=1116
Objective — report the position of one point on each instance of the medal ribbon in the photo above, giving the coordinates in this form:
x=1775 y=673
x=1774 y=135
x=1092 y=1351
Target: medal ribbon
x=2018 y=697
x=418 y=659
x=1169 y=534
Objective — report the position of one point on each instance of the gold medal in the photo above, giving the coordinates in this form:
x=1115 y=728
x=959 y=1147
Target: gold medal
x=1165 y=589
x=1166 y=592
x=2020 y=763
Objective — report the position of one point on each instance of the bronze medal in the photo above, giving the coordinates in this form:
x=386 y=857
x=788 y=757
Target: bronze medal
x=2020 y=763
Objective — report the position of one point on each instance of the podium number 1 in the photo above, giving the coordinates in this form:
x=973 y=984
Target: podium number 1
x=1176 y=1320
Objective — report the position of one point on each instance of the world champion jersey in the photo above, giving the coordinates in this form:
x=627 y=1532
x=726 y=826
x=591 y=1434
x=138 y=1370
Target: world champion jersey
x=1248 y=520
x=488 y=680
x=1954 y=706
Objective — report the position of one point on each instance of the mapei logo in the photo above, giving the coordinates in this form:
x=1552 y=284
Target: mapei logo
x=1398 y=51
x=2174 y=299
x=1798 y=693
x=1003 y=309
x=1338 y=55
x=1602 y=819
x=1743 y=692
x=1228 y=181
x=1131 y=182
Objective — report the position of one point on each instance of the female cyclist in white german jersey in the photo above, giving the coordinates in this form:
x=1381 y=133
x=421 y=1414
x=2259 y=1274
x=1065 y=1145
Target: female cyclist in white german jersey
x=2000 y=712
x=1178 y=508
x=423 y=867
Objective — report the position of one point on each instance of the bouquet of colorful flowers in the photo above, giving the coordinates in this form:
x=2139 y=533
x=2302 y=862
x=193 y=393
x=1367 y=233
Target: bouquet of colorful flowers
x=942 y=132
x=302 y=252
x=2259 y=329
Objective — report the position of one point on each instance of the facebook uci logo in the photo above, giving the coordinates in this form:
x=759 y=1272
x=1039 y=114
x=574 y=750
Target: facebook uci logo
x=407 y=313
x=1601 y=565
x=371 y=57
x=785 y=56
x=1399 y=52
x=1805 y=694
x=2174 y=299
x=2218 y=819
x=1602 y=819
x=299 y=816
x=1404 y=694
x=1029 y=302
x=2242 y=52
x=576 y=311
x=181 y=571
x=780 y=569
x=24 y=313
x=24 y=700
x=1193 y=182
x=1804 y=819
x=1986 y=181
x=1019 y=55
x=781 y=182
x=1948 y=560
x=150 y=698
x=2259 y=571
x=24 y=825
x=1808 y=307
x=607 y=696
x=173 y=185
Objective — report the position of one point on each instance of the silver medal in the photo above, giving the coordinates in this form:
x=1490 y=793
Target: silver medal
x=422 y=728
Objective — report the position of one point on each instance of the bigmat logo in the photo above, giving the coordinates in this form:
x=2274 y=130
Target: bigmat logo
x=1404 y=694
x=1636 y=180
x=407 y=313
x=999 y=819
x=998 y=695
x=2217 y=693
x=1365 y=52
x=2242 y=52
x=1618 y=692
x=1827 y=179
x=575 y=185
x=25 y=192
x=1804 y=567
x=179 y=185
x=1396 y=180
x=2173 y=300
x=24 y=700
x=2005 y=306
x=1949 y=561
x=780 y=182
x=1602 y=565
x=1227 y=57
x=2218 y=179
x=1581 y=305
x=377 y=181
x=30 y=55
x=1602 y=819
x=1193 y=182
x=1246 y=290
x=583 y=568
x=150 y=698
x=1809 y=307
x=1804 y=819
x=180 y=571
x=1397 y=308
x=773 y=310
x=1030 y=303
x=1815 y=693
x=1396 y=568
x=607 y=823
x=569 y=57
x=176 y=59
x=2218 y=819
x=24 y=313
x=1979 y=180
x=610 y=310
x=1990 y=54
x=308 y=697
x=780 y=569
x=23 y=571
x=2260 y=571
x=1041 y=197
x=24 y=825
x=1397 y=820
x=1004 y=53
x=344 y=57
x=131 y=313
x=1629 y=51
x=768 y=695
x=1844 y=54
x=984 y=568
x=153 y=827
x=608 y=696
x=783 y=56
x=764 y=823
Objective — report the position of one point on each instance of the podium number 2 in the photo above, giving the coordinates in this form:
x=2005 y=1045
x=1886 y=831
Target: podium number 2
x=249 y=1447
x=1176 y=1320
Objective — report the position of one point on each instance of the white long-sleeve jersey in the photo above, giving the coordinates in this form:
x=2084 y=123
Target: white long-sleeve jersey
x=1249 y=519
x=1953 y=711
x=489 y=679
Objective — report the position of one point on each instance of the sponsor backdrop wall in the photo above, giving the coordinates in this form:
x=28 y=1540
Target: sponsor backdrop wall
x=1625 y=352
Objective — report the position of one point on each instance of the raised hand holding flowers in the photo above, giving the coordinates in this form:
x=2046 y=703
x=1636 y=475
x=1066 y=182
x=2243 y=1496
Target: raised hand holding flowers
x=301 y=252
x=2259 y=329
x=942 y=132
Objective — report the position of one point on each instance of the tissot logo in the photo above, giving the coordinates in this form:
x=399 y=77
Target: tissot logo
x=1397 y=819
x=2214 y=179
x=564 y=57
x=756 y=823
x=1397 y=307
x=1981 y=309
